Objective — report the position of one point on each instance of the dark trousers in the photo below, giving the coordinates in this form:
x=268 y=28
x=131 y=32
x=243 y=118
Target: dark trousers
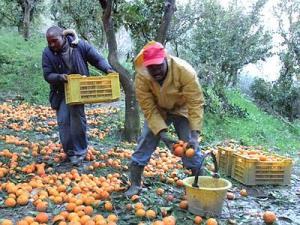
x=148 y=142
x=72 y=129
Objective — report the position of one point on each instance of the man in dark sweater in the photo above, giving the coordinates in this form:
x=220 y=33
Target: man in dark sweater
x=65 y=55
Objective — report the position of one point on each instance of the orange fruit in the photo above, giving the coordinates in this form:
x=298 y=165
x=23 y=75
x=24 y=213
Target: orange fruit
x=34 y=223
x=71 y=206
x=179 y=151
x=150 y=214
x=269 y=217
x=183 y=204
x=29 y=219
x=158 y=222
x=41 y=217
x=211 y=221
x=73 y=216
x=160 y=191
x=60 y=223
x=139 y=205
x=179 y=183
x=65 y=214
x=263 y=158
x=41 y=206
x=140 y=213
x=89 y=200
x=84 y=219
x=230 y=196
x=134 y=197
x=112 y=218
x=89 y=222
x=76 y=190
x=243 y=193
x=197 y=220
x=108 y=206
x=98 y=217
x=169 y=220
x=189 y=152
x=88 y=210
x=22 y=222
x=10 y=202
x=58 y=218
x=6 y=222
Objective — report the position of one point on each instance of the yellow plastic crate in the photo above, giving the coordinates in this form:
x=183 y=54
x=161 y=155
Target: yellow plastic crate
x=250 y=171
x=225 y=159
x=93 y=89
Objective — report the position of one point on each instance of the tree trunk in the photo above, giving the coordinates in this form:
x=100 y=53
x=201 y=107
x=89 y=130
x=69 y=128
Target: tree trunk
x=166 y=20
x=27 y=7
x=132 y=122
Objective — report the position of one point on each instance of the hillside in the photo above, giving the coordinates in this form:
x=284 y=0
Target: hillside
x=21 y=78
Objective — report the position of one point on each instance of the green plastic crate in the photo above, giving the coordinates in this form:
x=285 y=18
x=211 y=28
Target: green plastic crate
x=255 y=172
x=93 y=89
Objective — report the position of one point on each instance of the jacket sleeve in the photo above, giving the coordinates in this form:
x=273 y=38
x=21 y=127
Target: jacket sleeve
x=94 y=58
x=193 y=94
x=146 y=101
x=48 y=71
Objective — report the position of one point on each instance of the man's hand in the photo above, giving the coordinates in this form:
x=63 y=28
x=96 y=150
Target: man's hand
x=63 y=78
x=165 y=137
x=193 y=142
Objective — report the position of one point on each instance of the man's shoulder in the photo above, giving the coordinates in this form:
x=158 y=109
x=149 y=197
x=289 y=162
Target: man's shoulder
x=82 y=43
x=182 y=64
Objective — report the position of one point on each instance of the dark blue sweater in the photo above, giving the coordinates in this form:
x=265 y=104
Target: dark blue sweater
x=53 y=65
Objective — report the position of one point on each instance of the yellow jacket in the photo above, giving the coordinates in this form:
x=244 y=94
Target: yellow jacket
x=180 y=94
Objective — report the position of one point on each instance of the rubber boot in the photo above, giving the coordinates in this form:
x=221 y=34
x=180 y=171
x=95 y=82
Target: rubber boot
x=136 y=172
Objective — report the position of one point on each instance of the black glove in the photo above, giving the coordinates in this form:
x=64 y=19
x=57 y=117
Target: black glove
x=167 y=139
x=193 y=142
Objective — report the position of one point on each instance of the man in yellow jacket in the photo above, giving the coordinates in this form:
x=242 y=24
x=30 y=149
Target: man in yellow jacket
x=168 y=91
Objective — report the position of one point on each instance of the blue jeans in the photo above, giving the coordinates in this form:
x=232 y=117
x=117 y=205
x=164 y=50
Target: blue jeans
x=148 y=142
x=72 y=128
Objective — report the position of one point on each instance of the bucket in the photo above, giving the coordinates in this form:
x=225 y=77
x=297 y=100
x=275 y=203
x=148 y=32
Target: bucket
x=208 y=198
x=205 y=194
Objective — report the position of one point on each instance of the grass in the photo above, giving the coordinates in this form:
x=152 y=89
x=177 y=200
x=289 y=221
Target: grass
x=20 y=68
x=259 y=128
x=21 y=76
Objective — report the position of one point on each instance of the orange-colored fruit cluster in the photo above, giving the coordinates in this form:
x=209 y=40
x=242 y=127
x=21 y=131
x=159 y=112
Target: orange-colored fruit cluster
x=180 y=149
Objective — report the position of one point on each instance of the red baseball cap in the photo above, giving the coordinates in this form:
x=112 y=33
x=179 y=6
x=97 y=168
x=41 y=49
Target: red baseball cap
x=154 y=54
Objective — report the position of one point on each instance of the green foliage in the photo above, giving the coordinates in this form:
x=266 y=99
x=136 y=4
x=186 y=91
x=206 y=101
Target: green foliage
x=141 y=18
x=12 y=12
x=226 y=40
x=84 y=16
x=259 y=128
x=217 y=103
x=220 y=42
x=20 y=68
x=280 y=98
x=283 y=96
x=9 y=13
x=288 y=13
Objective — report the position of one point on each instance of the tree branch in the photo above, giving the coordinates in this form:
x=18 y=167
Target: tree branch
x=166 y=20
